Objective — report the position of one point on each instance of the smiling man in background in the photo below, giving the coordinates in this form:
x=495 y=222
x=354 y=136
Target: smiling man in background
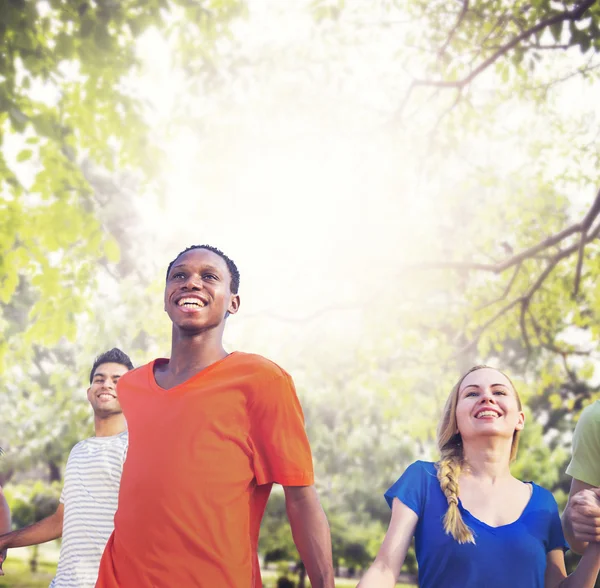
x=84 y=517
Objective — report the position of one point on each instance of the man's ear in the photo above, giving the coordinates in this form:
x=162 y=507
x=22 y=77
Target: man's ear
x=234 y=304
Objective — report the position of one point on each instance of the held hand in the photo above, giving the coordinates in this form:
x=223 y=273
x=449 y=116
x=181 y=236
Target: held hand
x=585 y=515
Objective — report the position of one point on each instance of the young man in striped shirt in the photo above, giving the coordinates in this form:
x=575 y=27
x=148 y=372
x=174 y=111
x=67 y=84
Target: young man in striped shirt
x=84 y=517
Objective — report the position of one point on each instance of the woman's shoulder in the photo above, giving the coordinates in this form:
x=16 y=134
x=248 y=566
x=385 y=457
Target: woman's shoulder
x=543 y=497
x=428 y=467
x=420 y=469
x=413 y=485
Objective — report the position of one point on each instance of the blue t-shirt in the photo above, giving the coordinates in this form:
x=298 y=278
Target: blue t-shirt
x=512 y=555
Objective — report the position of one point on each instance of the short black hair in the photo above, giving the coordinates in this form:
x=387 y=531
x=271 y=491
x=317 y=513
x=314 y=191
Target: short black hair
x=113 y=356
x=233 y=270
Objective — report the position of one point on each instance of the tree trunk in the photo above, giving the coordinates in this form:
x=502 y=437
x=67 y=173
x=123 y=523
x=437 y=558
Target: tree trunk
x=54 y=474
x=301 y=575
x=6 y=476
x=33 y=562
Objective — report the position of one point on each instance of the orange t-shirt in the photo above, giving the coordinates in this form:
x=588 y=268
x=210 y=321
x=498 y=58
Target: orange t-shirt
x=201 y=462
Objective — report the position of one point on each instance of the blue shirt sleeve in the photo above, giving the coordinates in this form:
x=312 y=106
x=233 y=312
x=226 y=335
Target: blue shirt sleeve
x=410 y=488
x=556 y=538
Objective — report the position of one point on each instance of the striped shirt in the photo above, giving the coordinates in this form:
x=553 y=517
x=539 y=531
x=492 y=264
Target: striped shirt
x=90 y=495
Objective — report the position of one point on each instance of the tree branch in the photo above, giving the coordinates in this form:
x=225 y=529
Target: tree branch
x=498 y=268
x=524 y=301
x=487 y=325
x=568 y=15
x=459 y=20
x=551 y=346
x=504 y=294
x=579 y=264
x=590 y=217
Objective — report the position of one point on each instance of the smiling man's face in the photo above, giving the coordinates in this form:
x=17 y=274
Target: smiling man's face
x=198 y=291
x=102 y=392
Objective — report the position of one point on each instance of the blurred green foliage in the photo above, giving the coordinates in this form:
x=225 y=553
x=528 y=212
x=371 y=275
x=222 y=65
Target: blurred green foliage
x=370 y=412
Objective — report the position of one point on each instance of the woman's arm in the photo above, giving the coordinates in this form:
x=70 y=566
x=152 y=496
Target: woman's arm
x=583 y=577
x=387 y=565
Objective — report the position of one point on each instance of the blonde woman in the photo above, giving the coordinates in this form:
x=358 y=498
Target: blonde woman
x=475 y=525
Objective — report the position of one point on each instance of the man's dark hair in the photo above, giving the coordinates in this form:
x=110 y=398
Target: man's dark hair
x=233 y=270
x=113 y=356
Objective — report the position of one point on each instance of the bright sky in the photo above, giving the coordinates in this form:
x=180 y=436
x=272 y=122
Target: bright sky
x=297 y=173
x=303 y=182
x=300 y=183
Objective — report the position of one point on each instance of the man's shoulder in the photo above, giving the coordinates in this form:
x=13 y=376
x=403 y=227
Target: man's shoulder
x=80 y=445
x=589 y=422
x=121 y=439
x=258 y=365
x=591 y=413
x=79 y=449
x=584 y=465
x=136 y=374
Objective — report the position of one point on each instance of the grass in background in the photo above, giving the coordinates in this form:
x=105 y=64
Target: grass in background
x=270 y=581
x=17 y=574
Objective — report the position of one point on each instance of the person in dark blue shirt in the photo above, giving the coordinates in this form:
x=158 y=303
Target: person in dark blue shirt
x=475 y=525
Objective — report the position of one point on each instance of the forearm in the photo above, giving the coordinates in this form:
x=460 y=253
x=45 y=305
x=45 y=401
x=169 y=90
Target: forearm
x=312 y=537
x=45 y=530
x=5 y=523
x=575 y=545
x=587 y=571
x=379 y=575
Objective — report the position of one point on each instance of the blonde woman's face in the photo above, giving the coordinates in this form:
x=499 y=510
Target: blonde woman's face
x=487 y=406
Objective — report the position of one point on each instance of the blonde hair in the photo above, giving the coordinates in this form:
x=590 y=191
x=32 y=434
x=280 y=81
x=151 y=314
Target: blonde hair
x=452 y=458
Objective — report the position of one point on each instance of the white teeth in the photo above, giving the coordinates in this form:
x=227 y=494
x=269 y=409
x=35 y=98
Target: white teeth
x=190 y=302
x=487 y=413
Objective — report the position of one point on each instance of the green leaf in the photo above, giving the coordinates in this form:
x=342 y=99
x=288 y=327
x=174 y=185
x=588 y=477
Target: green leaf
x=111 y=250
x=24 y=155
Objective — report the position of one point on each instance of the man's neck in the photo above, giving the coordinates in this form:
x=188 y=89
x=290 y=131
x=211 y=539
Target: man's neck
x=191 y=354
x=109 y=426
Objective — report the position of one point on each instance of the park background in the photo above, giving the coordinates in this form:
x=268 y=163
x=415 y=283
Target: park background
x=409 y=188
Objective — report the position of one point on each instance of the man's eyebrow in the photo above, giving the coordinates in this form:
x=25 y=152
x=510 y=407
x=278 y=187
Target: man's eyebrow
x=103 y=375
x=207 y=266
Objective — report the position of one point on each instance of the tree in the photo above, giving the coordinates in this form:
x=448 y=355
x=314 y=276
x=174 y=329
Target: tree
x=75 y=145
x=65 y=98
x=29 y=505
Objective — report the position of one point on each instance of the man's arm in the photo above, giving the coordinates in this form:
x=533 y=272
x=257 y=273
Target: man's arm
x=5 y=523
x=310 y=530
x=581 y=518
x=40 y=532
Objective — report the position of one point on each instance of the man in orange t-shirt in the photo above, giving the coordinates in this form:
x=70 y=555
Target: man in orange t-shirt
x=209 y=434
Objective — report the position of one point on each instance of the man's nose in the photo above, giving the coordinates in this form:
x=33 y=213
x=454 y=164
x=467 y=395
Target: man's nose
x=193 y=283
